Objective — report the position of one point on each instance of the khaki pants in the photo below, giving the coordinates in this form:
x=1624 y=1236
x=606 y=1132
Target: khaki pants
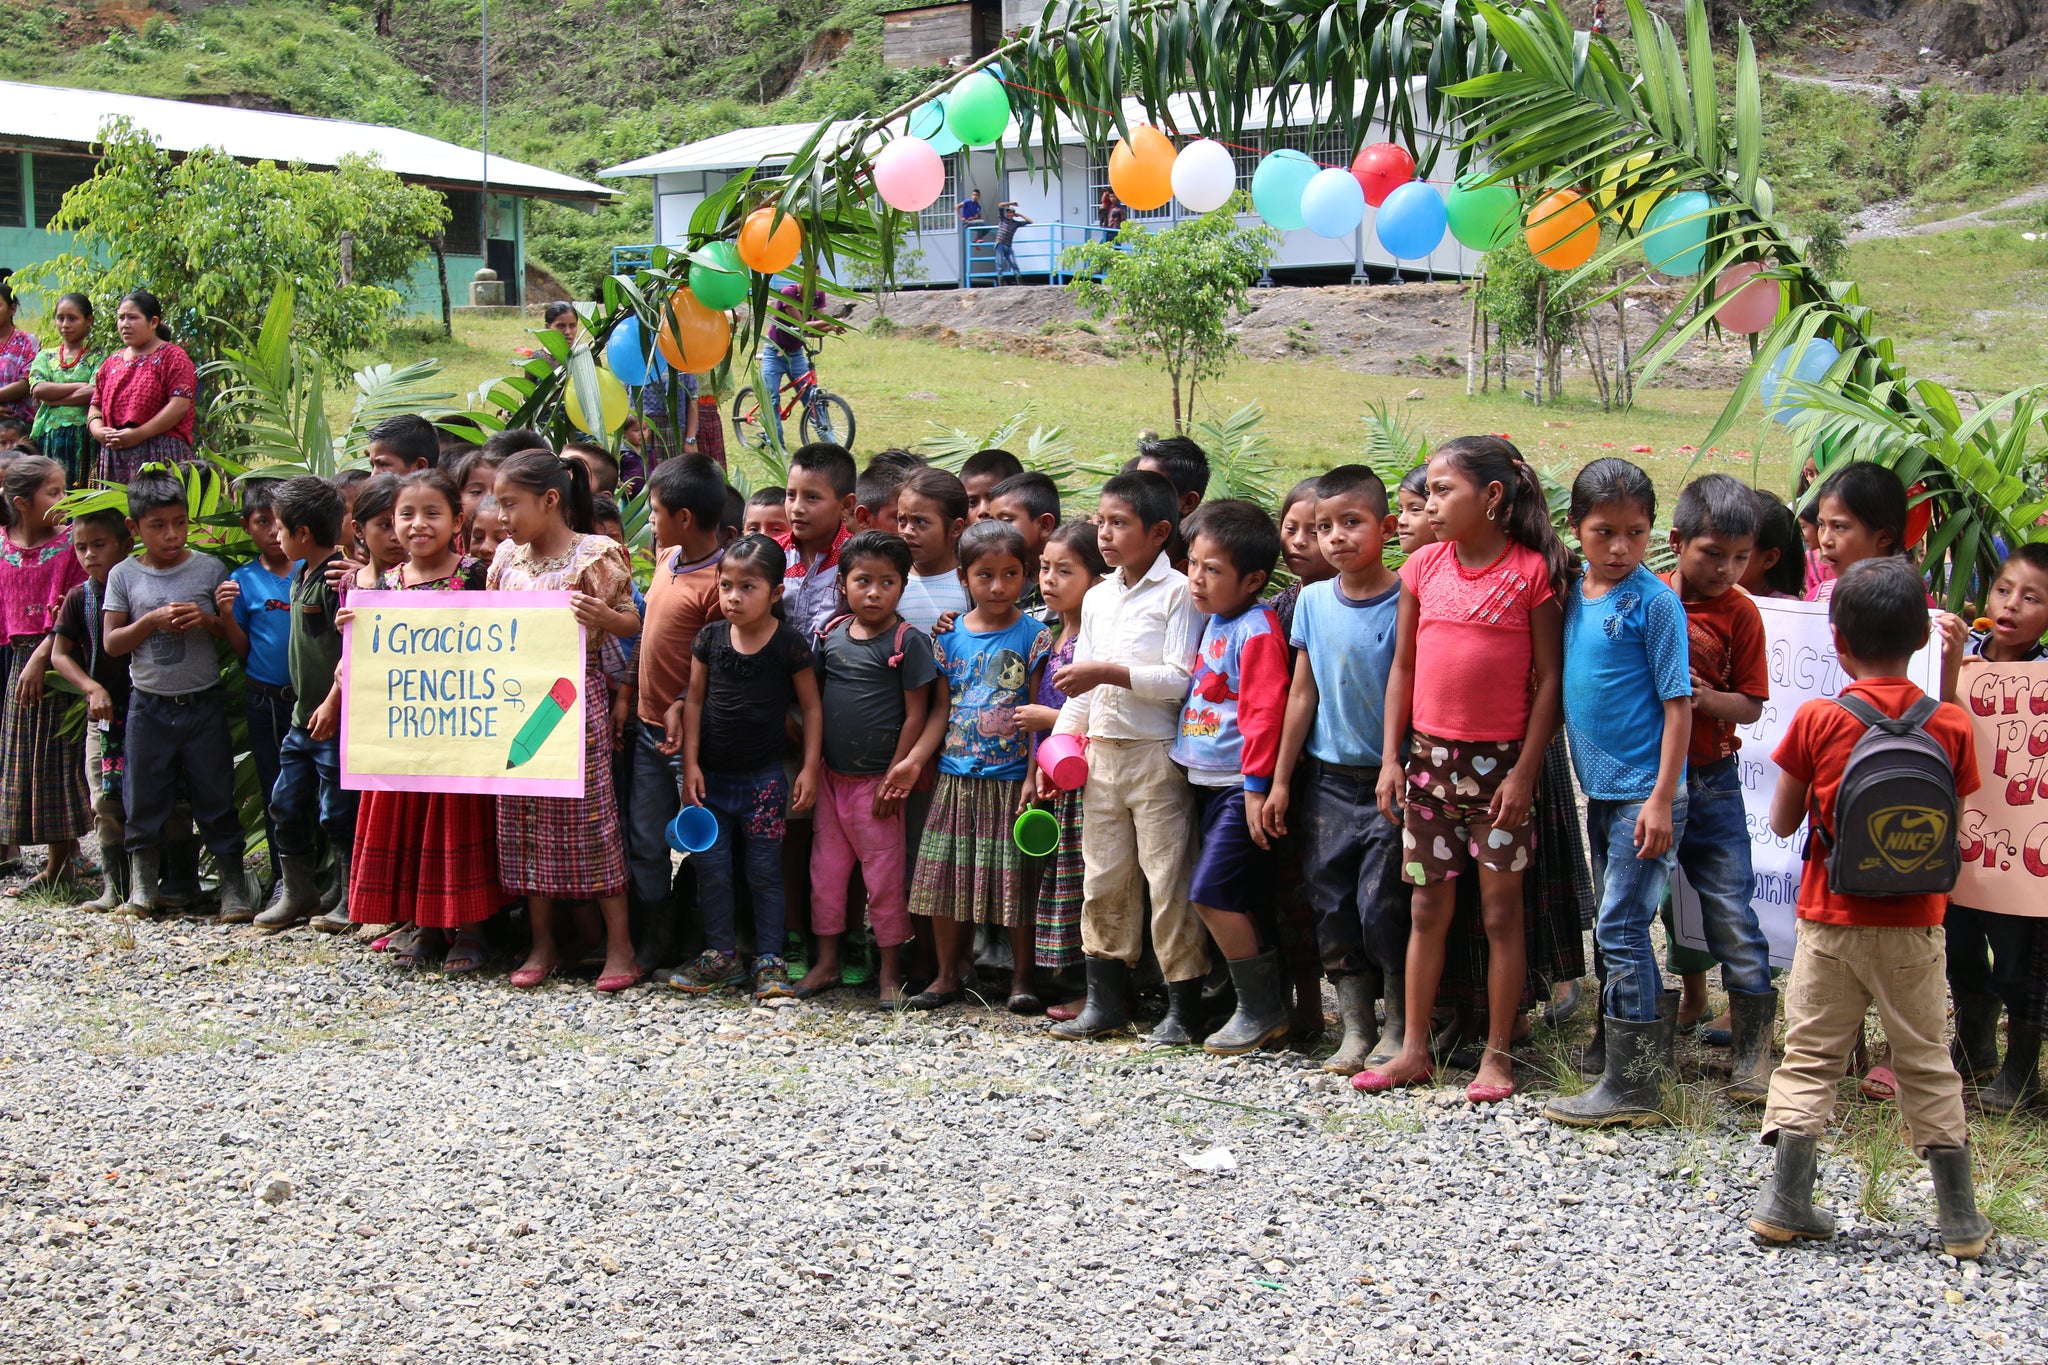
x=1134 y=838
x=1838 y=970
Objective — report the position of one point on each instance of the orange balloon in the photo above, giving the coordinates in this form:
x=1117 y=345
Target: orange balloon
x=767 y=251
x=1561 y=230
x=1141 y=170
x=692 y=338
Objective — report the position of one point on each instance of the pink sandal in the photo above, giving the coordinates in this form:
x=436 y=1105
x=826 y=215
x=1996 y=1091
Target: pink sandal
x=526 y=978
x=1377 y=1082
x=619 y=981
x=1879 y=1084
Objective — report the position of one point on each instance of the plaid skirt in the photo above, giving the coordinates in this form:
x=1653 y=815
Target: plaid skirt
x=711 y=434
x=427 y=857
x=969 y=868
x=72 y=447
x=43 y=794
x=1059 y=893
x=568 y=846
x=1557 y=899
x=119 y=466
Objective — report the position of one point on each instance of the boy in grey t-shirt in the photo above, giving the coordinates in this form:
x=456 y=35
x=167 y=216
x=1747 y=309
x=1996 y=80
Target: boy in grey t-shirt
x=162 y=612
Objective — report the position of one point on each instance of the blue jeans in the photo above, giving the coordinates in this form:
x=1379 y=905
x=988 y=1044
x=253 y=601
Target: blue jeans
x=1630 y=890
x=308 y=798
x=268 y=711
x=776 y=365
x=751 y=808
x=1006 y=263
x=1351 y=867
x=1713 y=850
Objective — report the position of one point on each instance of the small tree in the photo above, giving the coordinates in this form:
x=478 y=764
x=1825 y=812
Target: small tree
x=213 y=238
x=1173 y=291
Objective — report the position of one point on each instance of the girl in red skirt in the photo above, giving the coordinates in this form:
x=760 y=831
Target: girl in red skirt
x=428 y=859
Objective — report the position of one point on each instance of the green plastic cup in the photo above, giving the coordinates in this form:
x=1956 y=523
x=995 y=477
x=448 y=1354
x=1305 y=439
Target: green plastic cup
x=1037 y=832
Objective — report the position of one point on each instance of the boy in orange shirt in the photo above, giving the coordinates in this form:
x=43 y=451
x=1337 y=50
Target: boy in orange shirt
x=1855 y=949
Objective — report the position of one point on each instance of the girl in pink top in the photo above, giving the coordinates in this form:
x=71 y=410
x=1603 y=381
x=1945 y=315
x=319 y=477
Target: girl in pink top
x=43 y=795
x=1479 y=616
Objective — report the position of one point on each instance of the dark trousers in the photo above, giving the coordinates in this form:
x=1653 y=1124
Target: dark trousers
x=667 y=897
x=1351 y=863
x=269 y=712
x=174 y=737
x=1989 y=953
x=308 y=799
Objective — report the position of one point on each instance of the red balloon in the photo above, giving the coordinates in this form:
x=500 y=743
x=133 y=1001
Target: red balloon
x=1381 y=169
x=1919 y=515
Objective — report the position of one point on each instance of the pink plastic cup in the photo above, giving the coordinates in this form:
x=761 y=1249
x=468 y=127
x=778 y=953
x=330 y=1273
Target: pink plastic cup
x=1063 y=760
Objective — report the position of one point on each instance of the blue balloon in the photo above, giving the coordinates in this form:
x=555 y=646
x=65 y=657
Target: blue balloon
x=626 y=352
x=1810 y=366
x=1333 y=204
x=928 y=121
x=1411 y=222
x=1277 y=187
x=1674 y=247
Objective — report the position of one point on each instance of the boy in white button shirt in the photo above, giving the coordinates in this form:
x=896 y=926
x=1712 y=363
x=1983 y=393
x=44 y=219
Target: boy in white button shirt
x=1132 y=660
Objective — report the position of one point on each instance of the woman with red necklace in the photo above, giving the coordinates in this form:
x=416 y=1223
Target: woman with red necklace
x=61 y=380
x=142 y=398
x=17 y=353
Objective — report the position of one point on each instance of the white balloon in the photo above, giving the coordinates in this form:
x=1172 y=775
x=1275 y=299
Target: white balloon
x=1204 y=176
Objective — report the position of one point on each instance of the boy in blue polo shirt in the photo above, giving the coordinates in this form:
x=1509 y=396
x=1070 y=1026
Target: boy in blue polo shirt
x=258 y=628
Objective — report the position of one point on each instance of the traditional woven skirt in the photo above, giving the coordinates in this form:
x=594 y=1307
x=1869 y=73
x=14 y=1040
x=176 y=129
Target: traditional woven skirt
x=71 y=446
x=969 y=868
x=1059 y=894
x=710 y=435
x=43 y=794
x=427 y=857
x=569 y=846
x=119 y=466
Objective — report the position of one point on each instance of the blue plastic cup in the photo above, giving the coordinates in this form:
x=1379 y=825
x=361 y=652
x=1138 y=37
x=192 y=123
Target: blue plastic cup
x=693 y=830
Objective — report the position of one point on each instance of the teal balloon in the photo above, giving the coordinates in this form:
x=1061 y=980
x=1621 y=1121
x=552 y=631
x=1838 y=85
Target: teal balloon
x=1481 y=216
x=1674 y=247
x=1333 y=203
x=1277 y=187
x=978 y=110
x=723 y=285
x=1410 y=222
x=1810 y=366
x=626 y=352
x=928 y=121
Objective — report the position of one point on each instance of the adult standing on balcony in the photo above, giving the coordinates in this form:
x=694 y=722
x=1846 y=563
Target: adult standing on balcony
x=1008 y=220
x=1111 y=214
x=17 y=353
x=142 y=399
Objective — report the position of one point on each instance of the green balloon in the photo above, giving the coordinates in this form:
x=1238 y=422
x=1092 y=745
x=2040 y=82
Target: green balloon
x=977 y=110
x=722 y=285
x=1481 y=216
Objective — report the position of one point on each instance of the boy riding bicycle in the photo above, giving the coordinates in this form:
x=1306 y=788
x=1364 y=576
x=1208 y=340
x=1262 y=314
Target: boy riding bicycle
x=783 y=357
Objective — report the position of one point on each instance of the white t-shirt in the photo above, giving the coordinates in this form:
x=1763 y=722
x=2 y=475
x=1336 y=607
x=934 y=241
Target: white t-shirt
x=926 y=599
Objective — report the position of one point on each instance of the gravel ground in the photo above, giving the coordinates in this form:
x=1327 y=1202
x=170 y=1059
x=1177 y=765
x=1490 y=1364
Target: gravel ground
x=217 y=1146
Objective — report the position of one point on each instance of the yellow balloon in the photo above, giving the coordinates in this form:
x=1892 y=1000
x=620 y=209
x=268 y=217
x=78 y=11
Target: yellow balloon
x=1618 y=182
x=613 y=404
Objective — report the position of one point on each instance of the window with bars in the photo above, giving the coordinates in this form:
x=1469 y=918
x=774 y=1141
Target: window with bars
x=465 y=226
x=11 y=207
x=54 y=176
x=1098 y=185
x=939 y=215
x=1326 y=146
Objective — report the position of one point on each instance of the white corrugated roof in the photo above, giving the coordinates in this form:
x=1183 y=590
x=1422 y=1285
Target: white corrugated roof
x=37 y=112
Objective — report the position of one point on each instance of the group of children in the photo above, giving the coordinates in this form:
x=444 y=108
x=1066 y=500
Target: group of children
x=1366 y=776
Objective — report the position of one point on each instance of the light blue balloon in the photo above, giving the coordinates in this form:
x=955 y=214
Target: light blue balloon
x=928 y=121
x=1277 y=187
x=626 y=352
x=1333 y=204
x=1674 y=247
x=1411 y=222
x=1810 y=366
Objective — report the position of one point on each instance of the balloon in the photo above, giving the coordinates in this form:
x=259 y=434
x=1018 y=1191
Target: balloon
x=1671 y=244
x=978 y=110
x=1277 y=186
x=721 y=286
x=626 y=351
x=1332 y=205
x=1810 y=367
x=1620 y=182
x=1411 y=221
x=612 y=404
x=765 y=251
x=909 y=175
x=1919 y=515
x=1204 y=176
x=1561 y=230
x=1755 y=306
x=1141 y=168
x=693 y=338
x=928 y=121
x=1480 y=215
x=1381 y=169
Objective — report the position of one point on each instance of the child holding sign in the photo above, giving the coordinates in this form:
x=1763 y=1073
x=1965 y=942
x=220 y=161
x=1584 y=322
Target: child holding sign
x=566 y=848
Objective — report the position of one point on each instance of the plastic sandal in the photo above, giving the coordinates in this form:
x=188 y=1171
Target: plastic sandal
x=1489 y=1094
x=526 y=978
x=1879 y=1084
x=465 y=955
x=1377 y=1082
x=619 y=981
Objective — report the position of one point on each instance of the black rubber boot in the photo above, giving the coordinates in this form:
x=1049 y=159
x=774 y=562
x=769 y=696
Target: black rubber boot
x=1355 y=996
x=1109 y=1006
x=1593 y=1060
x=1964 y=1231
x=335 y=920
x=301 y=899
x=143 y=891
x=113 y=883
x=1785 y=1211
x=1631 y=1086
x=1753 y=1020
x=237 y=899
x=1261 y=1015
x=2019 y=1077
x=1975 y=1047
x=1394 y=1031
x=1183 y=1015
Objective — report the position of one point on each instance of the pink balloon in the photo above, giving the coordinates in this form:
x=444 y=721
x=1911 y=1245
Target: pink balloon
x=1754 y=308
x=909 y=175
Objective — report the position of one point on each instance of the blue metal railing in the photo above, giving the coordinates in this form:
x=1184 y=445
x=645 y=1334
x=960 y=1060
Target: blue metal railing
x=627 y=259
x=1040 y=249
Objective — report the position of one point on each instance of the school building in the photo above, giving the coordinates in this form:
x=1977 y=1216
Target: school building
x=47 y=134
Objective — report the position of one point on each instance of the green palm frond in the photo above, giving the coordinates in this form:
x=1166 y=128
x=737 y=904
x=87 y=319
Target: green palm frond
x=1240 y=457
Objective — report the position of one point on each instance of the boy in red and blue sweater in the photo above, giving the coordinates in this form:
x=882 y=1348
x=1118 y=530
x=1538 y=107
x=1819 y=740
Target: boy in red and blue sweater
x=1229 y=739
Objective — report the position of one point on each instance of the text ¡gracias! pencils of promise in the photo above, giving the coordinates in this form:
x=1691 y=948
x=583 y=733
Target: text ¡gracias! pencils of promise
x=546 y=716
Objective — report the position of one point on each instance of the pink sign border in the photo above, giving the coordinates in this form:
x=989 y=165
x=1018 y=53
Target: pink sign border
x=359 y=602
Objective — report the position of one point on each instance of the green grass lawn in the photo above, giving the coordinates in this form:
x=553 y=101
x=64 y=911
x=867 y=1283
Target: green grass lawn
x=1966 y=307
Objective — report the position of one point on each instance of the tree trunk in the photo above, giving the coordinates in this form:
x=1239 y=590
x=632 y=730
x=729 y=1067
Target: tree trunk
x=1471 y=341
x=1624 y=380
x=1542 y=334
x=441 y=265
x=347 y=250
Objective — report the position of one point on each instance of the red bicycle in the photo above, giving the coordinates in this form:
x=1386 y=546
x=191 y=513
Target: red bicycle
x=826 y=416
